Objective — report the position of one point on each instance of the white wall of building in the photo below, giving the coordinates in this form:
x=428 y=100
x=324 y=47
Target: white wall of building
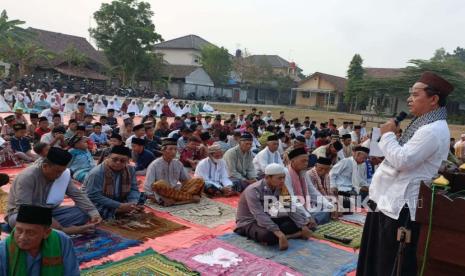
x=199 y=77
x=180 y=56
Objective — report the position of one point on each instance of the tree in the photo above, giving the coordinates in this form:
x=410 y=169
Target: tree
x=217 y=63
x=353 y=95
x=10 y=29
x=24 y=56
x=126 y=34
x=73 y=57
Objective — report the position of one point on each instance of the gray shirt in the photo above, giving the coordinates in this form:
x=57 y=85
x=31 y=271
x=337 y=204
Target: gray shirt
x=31 y=187
x=172 y=173
x=240 y=165
x=252 y=209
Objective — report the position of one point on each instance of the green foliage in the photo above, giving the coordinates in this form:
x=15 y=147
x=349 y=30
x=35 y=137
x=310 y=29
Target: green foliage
x=354 y=91
x=217 y=63
x=11 y=30
x=24 y=56
x=73 y=57
x=126 y=33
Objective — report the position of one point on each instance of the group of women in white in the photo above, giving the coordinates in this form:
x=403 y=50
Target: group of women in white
x=37 y=101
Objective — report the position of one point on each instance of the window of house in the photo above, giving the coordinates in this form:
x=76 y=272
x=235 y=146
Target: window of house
x=305 y=94
x=332 y=99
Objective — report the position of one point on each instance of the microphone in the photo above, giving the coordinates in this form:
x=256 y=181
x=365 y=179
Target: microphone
x=402 y=115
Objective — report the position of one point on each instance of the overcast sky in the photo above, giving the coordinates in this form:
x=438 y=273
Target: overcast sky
x=318 y=35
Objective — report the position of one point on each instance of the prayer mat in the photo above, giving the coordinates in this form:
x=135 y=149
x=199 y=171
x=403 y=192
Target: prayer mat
x=141 y=226
x=309 y=257
x=146 y=263
x=3 y=202
x=99 y=244
x=215 y=257
x=354 y=218
x=207 y=212
x=340 y=230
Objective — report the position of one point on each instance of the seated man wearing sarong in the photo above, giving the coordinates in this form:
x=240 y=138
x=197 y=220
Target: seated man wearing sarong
x=239 y=161
x=213 y=170
x=348 y=178
x=112 y=185
x=315 y=206
x=267 y=156
x=34 y=248
x=167 y=182
x=82 y=161
x=45 y=183
x=261 y=216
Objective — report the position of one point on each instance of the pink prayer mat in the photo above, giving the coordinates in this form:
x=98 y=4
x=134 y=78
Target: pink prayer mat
x=215 y=257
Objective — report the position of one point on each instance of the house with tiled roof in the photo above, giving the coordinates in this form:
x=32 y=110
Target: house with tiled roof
x=279 y=65
x=321 y=91
x=58 y=43
x=185 y=50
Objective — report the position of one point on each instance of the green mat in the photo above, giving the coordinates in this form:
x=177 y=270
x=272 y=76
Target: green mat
x=144 y=264
x=340 y=230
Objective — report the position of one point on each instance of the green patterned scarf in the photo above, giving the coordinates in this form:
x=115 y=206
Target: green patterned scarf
x=52 y=260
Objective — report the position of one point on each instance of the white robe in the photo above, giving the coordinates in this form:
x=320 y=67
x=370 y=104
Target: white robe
x=215 y=174
x=4 y=107
x=146 y=110
x=100 y=108
x=132 y=107
x=347 y=175
x=264 y=158
x=70 y=106
x=208 y=108
x=186 y=109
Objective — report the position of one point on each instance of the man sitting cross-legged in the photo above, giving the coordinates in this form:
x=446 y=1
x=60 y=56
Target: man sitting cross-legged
x=34 y=248
x=299 y=185
x=348 y=177
x=213 y=170
x=112 y=185
x=239 y=161
x=163 y=177
x=45 y=183
x=266 y=222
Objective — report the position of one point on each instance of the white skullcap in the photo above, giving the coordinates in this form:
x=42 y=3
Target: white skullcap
x=274 y=169
x=126 y=116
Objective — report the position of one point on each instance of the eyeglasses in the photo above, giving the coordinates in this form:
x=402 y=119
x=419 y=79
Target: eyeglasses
x=120 y=160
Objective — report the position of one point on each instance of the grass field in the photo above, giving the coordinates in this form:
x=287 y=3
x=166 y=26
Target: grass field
x=316 y=115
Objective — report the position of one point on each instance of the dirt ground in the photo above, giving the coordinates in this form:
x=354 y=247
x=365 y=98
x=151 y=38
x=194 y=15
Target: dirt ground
x=319 y=116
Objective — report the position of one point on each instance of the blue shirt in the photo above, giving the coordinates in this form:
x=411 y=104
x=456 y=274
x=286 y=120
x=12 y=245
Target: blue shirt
x=144 y=159
x=20 y=144
x=98 y=138
x=70 y=262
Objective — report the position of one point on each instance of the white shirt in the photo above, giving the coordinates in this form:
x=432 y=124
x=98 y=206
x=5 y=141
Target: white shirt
x=49 y=114
x=47 y=138
x=216 y=174
x=264 y=158
x=345 y=177
x=343 y=131
x=397 y=180
x=355 y=138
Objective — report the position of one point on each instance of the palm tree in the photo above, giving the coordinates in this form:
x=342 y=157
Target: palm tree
x=9 y=29
x=23 y=56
